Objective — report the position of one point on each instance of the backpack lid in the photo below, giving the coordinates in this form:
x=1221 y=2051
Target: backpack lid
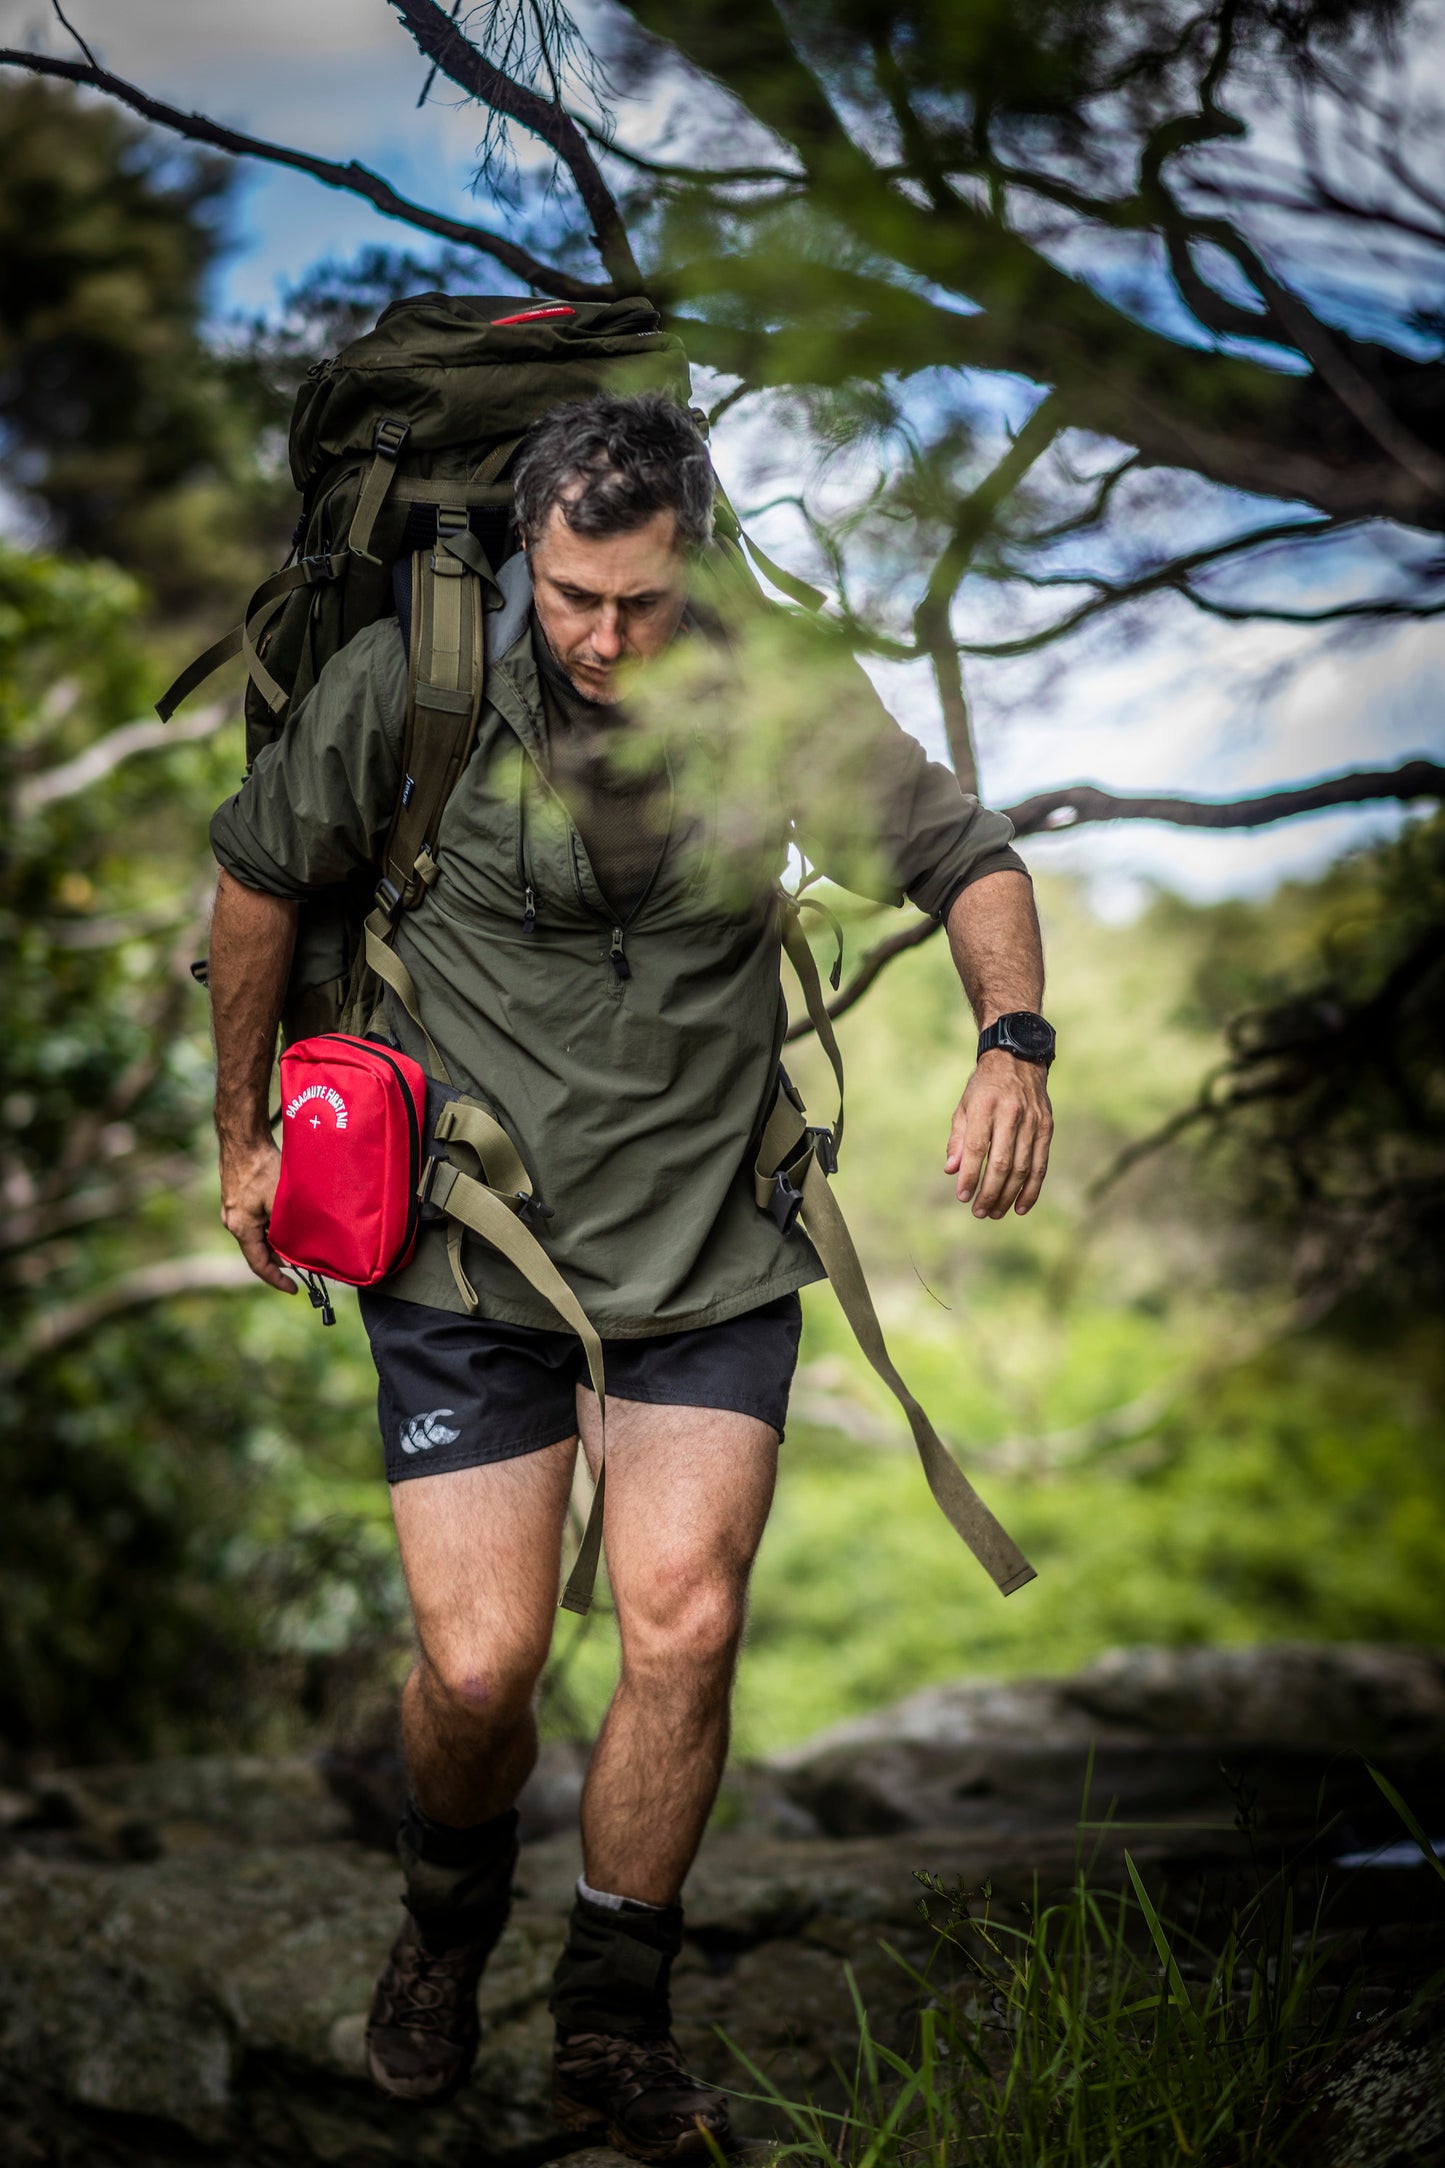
x=464 y=371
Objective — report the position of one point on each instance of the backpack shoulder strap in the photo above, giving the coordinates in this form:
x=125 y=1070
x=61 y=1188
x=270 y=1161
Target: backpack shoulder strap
x=450 y=588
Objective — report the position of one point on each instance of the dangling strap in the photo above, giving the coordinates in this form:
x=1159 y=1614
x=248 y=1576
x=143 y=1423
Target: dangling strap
x=800 y=956
x=471 y=1202
x=731 y=528
x=990 y=1544
x=790 y=1181
x=491 y=1209
x=196 y=673
x=262 y=607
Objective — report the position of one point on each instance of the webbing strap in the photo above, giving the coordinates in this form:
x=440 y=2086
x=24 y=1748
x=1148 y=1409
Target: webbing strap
x=800 y=956
x=263 y=606
x=470 y=1203
x=388 y=439
x=822 y=1218
x=501 y=1162
x=994 y=1549
x=812 y=598
x=444 y=699
x=465 y=1199
x=388 y=966
x=243 y=638
x=197 y=672
x=490 y=466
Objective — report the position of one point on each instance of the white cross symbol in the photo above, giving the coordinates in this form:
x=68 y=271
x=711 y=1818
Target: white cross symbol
x=316 y=1121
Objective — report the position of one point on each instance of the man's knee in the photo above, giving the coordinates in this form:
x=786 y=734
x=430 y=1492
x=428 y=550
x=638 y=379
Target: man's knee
x=487 y=1690
x=689 y=1612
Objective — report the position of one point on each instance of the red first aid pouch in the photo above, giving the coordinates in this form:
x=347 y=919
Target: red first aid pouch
x=353 y=1114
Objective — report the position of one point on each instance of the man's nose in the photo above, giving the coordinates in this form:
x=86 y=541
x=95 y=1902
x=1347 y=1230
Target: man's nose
x=607 y=635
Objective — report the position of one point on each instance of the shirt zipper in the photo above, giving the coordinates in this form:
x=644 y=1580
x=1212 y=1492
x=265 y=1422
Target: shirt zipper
x=617 y=958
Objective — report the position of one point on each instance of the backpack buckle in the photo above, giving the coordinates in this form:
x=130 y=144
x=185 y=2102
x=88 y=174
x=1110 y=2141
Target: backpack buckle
x=786 y=1201
x=388 y=900
x=318 y=569
x=452 y=522
x=532 y=1212
x=389 y=436
x=825 y=1150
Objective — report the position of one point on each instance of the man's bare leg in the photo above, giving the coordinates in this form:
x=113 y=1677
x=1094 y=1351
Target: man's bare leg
x=688 y=1493
x=481 y=1550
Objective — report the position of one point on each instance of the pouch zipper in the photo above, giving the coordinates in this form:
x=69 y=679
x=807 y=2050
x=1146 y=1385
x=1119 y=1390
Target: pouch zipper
x=413 y=1127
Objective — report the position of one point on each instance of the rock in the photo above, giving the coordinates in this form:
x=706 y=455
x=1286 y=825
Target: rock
x=188 y=1949
x=1371 y=1699
x=1157 y=1735
x=137 y=1810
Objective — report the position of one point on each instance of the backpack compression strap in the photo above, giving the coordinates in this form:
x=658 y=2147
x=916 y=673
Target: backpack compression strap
x=790 y=1180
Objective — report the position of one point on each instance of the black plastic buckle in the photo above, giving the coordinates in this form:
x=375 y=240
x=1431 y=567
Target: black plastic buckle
x=388 y=900
x=786 y=1201
x=389 y=436
x=825 y=1151
x=428 y=1176
x=318 y=570
x=531 y=1211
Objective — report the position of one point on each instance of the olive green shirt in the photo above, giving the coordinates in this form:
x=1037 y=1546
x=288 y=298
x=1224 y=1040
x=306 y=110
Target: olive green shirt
x=632 y=1064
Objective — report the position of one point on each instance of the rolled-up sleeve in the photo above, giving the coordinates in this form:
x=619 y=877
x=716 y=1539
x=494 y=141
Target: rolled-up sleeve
x=315 y=808
x=878 y=816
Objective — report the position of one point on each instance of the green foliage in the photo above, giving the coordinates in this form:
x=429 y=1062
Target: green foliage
x=1091 y=2034
x=182 y=1557
x=114 y=414
x=1330 y=1107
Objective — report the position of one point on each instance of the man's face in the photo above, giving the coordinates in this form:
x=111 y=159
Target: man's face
x=602 y=601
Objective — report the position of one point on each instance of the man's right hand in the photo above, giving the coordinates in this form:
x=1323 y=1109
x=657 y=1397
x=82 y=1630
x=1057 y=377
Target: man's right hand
x=248 y=1190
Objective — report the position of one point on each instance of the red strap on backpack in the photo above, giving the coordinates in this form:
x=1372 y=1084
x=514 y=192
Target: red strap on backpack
x=352 y=1116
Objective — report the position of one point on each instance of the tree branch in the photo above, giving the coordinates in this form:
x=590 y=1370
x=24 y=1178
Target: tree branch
x=1084 y=803
x=134 y=1290
x=353 y=179
x=32 y=1222
x=447 y=47
x=70 y=777
x=932 y=620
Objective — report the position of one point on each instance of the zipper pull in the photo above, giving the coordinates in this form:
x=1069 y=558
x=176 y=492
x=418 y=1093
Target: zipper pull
x=529 y=915
x=320 y=1298
x=617 y=957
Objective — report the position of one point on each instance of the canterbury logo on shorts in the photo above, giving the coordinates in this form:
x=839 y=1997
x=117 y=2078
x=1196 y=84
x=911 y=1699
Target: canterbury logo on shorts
x=421 y=1432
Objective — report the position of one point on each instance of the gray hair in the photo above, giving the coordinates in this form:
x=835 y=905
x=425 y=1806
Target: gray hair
x=608 y=464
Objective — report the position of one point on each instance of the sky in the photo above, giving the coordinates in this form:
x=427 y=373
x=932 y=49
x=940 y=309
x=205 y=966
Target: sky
x=1199 y=707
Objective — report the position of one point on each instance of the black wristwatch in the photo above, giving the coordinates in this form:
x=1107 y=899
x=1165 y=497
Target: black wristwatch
x=1022 y=1033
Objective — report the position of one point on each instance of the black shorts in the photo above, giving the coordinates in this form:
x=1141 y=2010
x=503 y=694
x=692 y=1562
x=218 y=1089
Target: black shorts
x=456 y=1392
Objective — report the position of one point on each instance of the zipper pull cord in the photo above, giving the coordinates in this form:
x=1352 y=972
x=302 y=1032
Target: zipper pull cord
x=529 y=914
x=617 y=957
x=320 y=1297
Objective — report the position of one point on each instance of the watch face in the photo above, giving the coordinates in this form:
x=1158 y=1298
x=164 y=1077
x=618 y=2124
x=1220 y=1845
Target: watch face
x=1029 y=1033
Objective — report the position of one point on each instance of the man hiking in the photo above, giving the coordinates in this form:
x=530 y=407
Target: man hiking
x=590 y=965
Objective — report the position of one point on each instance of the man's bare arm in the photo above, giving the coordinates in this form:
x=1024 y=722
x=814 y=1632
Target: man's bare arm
x=998 y=1145
x=252 y=938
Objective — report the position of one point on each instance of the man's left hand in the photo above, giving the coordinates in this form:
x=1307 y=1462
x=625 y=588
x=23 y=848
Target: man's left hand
x=999 y=1143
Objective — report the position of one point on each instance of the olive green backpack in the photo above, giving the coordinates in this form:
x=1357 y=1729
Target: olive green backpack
x=401 y=446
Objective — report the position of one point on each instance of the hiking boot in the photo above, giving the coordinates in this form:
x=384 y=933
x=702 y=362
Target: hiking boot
x=638 y=2089
x=423 y=2030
